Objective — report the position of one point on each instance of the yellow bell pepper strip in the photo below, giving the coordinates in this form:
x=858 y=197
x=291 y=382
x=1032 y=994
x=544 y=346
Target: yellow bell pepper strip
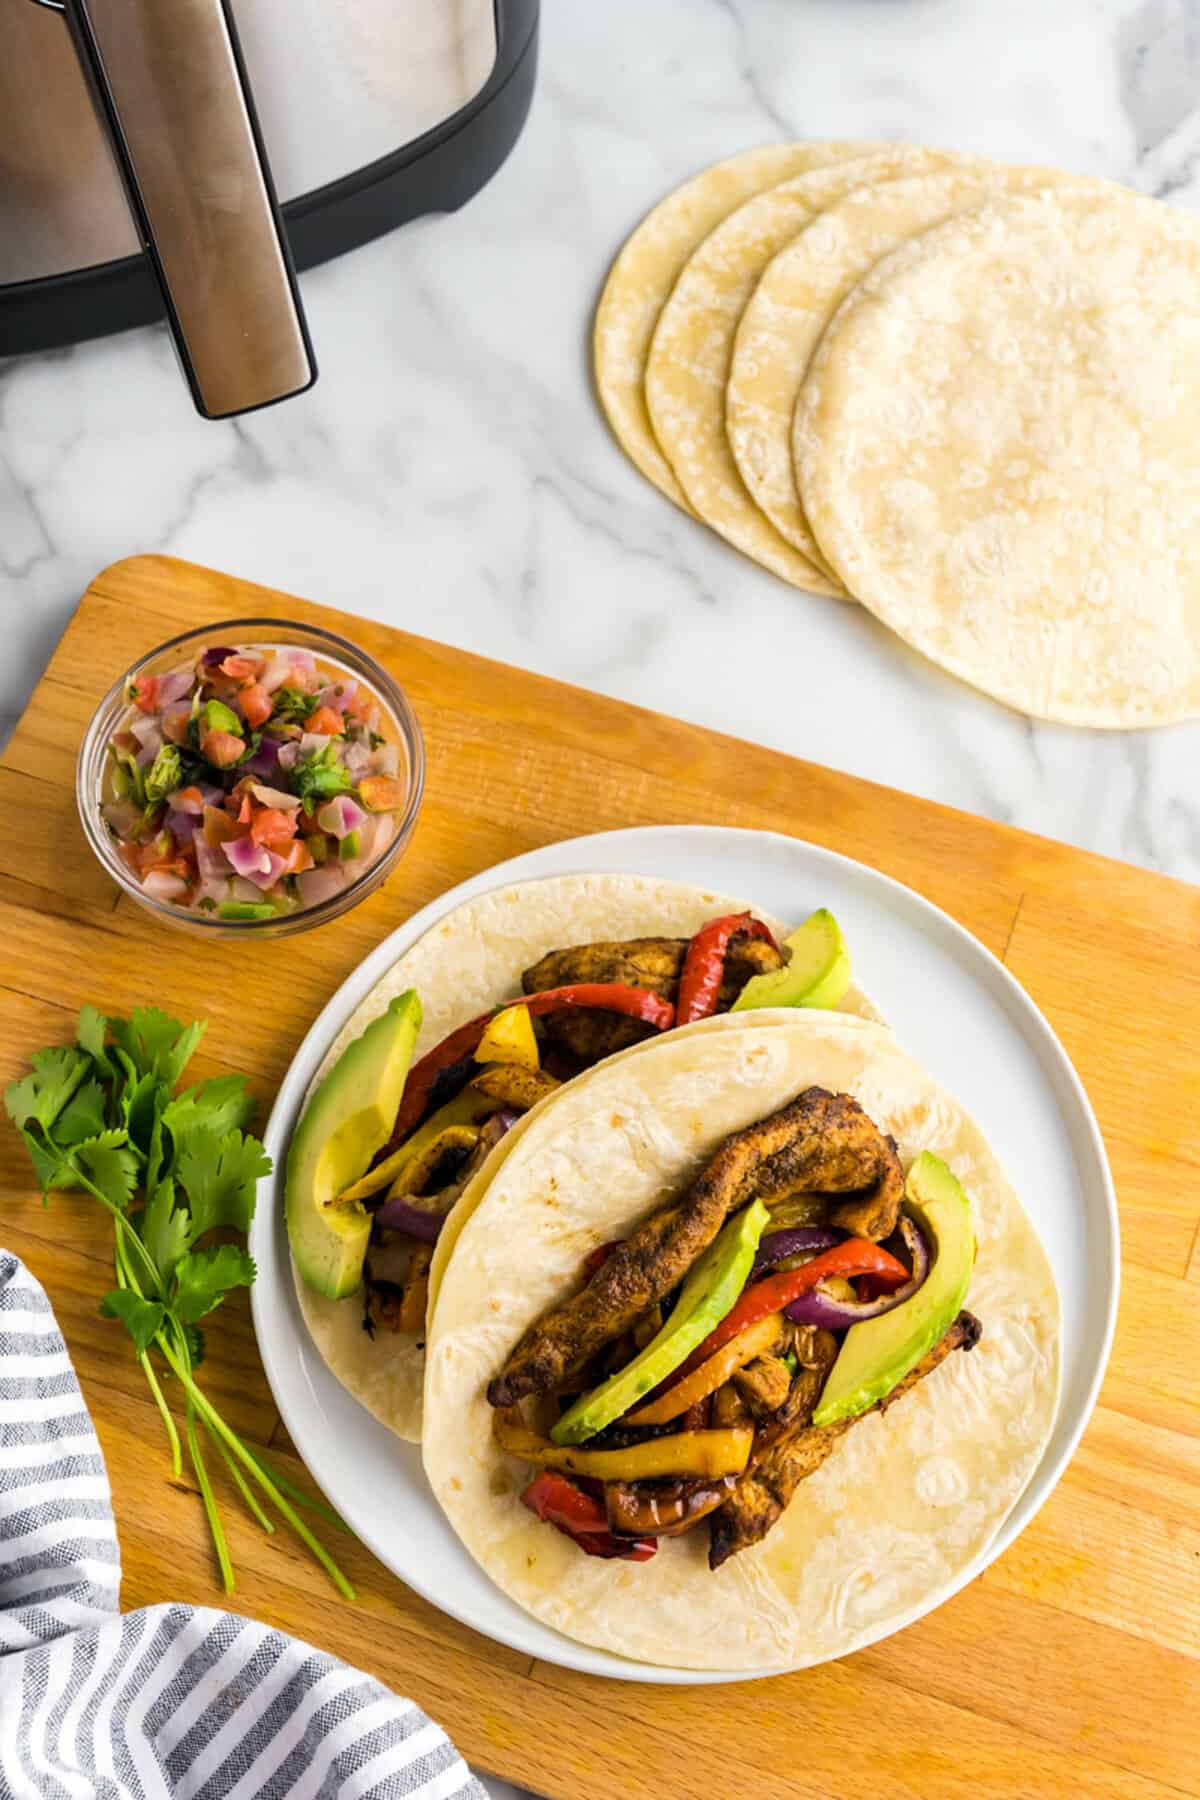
x=854 y=1256
x=513 y=1085
x=582 y=1518
x=754 y=1341
x=509 y=1038
x=468 y=1108
x=709 y=1453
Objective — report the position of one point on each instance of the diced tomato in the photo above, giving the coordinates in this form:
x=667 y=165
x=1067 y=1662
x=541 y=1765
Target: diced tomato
x=297 y=858
x=360 y=704
x=245 y=811
x=188 y=800
x=326 y=722
x=145 y=693
x=381 y=793
x=256 y=704
x=241 y=667
x=272 y=827
x=221 y=748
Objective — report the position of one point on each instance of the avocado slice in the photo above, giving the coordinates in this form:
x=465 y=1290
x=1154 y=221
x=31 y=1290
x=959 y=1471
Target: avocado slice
x=817 y=973
x=879 y=1353
x=347 y=1120
x=709 y=1292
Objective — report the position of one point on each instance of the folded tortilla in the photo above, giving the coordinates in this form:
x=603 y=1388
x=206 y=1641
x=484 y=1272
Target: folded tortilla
x=908 y=1498
x=471 y=960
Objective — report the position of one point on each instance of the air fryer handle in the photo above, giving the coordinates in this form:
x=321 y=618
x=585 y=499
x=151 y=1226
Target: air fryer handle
x=171 y=85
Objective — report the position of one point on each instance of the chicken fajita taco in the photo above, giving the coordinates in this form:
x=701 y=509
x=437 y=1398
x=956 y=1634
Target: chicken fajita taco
x=501 y=1005
x=744 y=1352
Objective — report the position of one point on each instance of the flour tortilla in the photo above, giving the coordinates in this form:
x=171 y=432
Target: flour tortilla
x=692 y=350
x=906 y=1501
x=469 y=961
x=796 y=297
x=644 y=273
x=996 y=448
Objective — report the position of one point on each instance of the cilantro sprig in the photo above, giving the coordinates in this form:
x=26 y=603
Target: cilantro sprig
x=171 y=1168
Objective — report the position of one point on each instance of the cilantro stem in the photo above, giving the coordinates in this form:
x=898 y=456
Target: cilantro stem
x=206 y=1494
x=213 y=1419
x=321 y=1507
x=125 y=1279
x=125 y=1230
x=241 y=1484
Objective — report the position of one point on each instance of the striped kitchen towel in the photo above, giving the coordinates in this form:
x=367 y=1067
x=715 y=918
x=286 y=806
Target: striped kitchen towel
x=173 y=1700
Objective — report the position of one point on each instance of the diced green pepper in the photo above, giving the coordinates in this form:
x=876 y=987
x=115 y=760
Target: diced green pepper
x=245 y=909
x=350 y=846
x=216 y=716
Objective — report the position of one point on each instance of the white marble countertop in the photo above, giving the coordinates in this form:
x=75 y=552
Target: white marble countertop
x=451 y=473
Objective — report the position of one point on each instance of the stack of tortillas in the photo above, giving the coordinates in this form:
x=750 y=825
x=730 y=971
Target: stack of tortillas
x=961 y=393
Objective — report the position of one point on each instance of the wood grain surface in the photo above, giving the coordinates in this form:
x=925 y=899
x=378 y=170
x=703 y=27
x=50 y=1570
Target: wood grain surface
x=1073 y=1665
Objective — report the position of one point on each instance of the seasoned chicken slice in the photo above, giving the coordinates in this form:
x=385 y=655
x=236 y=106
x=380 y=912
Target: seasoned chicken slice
x=785 y=1456
x=652 y=963
x=819 y=1140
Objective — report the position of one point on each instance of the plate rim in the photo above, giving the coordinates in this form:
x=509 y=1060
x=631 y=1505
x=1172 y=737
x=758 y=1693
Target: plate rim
x=267 y=1221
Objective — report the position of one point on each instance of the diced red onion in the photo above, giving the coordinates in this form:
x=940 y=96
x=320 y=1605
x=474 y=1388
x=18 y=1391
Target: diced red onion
x=795 y=1241
x=210 y=862
x=274 y=797
x=313 y=742
x=386 y=759
x=340 y=816
x=357 y=759
x=288 y=754
x=160 y=884
x=818 y=1307
x=267 y=877
x=183 y=800
x=121 y=816
x=385 y=831
x=338 y=694
x=246 y=857
x=175 y=686
x=304 y=660
x=321 y=883
x=148 y=733
x=182 y=825
x=214 y=657
x=278 y=672
x=265 y=762
x=243 y=890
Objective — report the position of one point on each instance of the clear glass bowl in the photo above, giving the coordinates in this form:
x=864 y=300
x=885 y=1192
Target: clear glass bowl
x=335 y=653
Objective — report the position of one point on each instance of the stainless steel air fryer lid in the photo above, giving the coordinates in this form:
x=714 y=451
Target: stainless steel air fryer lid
x=372 y=112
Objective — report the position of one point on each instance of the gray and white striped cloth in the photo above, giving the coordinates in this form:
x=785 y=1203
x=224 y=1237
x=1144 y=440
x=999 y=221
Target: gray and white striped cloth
x=173 y=1700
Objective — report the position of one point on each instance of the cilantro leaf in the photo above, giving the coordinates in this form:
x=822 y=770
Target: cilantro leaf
x=141 y=1318
x=90 y=1036
x=222 y=1105
x=83 y=1115
x=141 y=1103
x=165 y=774
x=50 y=1164
x=320 y=776
x=109 y=1164
x=197 y=1348
x=220 y=1175
x=42 y=1095
x=165 y=1228
x=203 y=1278
x=294 y=703
x=156 y=1044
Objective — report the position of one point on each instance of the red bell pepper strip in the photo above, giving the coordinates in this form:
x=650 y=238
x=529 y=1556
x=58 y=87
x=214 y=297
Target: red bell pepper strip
x=856 y=1256
x=605 y=996
x=577 y=1515
x=704 y=963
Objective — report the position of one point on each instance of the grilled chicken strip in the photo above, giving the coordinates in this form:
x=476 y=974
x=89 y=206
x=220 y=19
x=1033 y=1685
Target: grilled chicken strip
x=819 y=1140
x=785 y=1455
x=650 y=963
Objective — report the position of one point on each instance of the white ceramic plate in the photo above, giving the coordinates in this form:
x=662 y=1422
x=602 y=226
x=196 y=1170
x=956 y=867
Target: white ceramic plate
x=950 y=1003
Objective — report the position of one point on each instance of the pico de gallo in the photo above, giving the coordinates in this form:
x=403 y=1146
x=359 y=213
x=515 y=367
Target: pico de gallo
x=251 y=782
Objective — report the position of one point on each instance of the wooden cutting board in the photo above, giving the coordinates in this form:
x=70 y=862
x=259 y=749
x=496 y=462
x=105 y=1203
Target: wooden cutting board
x=1073 y=1665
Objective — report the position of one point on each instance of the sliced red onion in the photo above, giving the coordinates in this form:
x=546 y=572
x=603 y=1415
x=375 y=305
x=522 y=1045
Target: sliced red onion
x=341 y=816
x=214 y=657
x=793 y=1242
x=176 y=686
x=405 y=1212
x=818 y=1307
x=321 y=883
